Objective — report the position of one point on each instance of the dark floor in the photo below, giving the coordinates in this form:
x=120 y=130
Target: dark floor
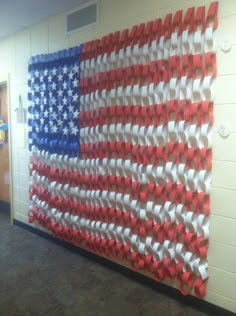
x=38 y=277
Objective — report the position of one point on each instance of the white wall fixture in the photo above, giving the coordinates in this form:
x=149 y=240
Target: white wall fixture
x=226 y=45
x=224 y=130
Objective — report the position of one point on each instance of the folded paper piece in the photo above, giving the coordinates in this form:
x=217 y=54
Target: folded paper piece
x=121 y=149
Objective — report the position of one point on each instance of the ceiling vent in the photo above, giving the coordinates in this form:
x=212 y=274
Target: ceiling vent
x=84 y=16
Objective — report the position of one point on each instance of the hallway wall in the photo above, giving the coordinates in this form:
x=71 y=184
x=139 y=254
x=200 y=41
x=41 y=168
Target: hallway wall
x=49 y=36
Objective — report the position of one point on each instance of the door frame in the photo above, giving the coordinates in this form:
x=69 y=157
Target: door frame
x=5 y=78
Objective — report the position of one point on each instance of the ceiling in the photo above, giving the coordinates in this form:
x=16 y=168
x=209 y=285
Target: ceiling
x=16 y=15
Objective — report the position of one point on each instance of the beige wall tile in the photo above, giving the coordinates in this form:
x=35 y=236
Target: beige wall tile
x=222 y=282
x=219 y=254
x=224 y=148
x=223 y=202
x=225 y=113
x=222 y=230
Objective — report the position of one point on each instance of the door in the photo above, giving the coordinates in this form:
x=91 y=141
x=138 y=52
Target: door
x=4 y=150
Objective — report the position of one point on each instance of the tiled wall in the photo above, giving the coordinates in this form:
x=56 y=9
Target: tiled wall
x=49 y=36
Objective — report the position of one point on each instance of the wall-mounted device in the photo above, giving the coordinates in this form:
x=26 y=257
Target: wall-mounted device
x=20 y=112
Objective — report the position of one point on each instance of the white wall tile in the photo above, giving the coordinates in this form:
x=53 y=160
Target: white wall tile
x=226 y=7
x=225 y=113
x=7 y=56
x=57 y=39
x=220 y=300
x=226 y=62
x=21 y=217
x=40 y=38
x=219 y=254
x=224 y=175
x=222 y=230
x=24 y=180
x=223 y=202
x=222 y=282
x=224 y=148
x=226 y=29
x=225 y=91
x=22 y=55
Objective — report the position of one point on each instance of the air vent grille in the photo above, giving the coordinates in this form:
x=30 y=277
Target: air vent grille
x=82 y=17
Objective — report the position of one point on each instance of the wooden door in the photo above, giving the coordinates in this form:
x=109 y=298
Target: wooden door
x=4 y=150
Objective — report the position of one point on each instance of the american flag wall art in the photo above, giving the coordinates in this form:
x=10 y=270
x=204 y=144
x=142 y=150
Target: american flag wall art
x=120 y=134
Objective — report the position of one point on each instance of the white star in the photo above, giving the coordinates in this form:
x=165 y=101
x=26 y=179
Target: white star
x=64 y=100
x=54 y=129
x=71 y=124
x=45 y=100
x=32 y=80
x=64 y=85
x=75 y=83
x=65 y=131
x=75 y=97
x=60 y=93
x=49 y=78
x=41 y=107
x=54 y=86
x=59 y=122
x=60 y=107
x=36 y=87
x=37 y=129
x=75 y=114
x=42 y=93
x=41 y=78
x=65 y=115
x=50 y=109
x=70 y=92
x=70 y=75
x=46 y=129
x=76 y=68
x=64 y=69
x=32 y=92
x=37 y=115
x=42 y=121
x=60 y=77
x=74 y=130
x=54 y=71
x=45 y=72
x=70 y=108
x=37 y=101
x=43 y=86
x=45 y=113
x=36 y=73
x=53 y=100
x=51 y=123
x=54 y=115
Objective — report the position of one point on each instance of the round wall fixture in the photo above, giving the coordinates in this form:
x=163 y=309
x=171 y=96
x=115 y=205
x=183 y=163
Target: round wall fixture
x=226 y=45
x=224 y=130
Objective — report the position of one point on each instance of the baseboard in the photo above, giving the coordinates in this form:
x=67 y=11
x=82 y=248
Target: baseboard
x=5 y=207
x=200 y=305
